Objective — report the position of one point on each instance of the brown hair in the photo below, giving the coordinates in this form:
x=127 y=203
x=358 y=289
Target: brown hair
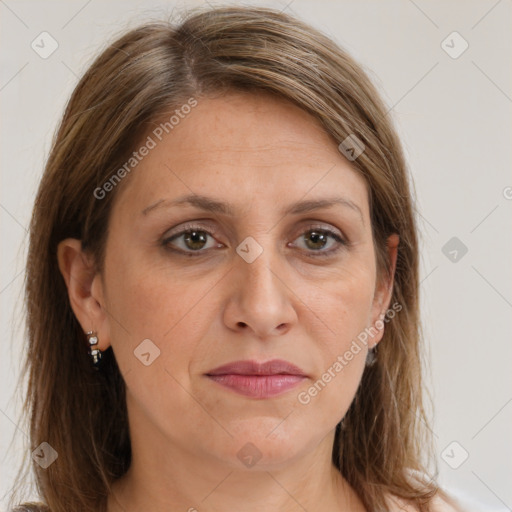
x=150 y=70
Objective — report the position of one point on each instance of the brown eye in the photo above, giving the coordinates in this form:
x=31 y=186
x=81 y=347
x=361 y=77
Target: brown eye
x=192 y=239
x=316 y=240
x=195 y=240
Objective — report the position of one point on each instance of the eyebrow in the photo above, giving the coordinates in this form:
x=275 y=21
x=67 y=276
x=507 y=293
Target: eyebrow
x=210 y=204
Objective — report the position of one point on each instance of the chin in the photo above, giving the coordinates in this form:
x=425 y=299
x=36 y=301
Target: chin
x=268 y=443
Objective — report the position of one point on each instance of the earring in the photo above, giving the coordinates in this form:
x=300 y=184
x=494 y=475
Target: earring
x=95 y=353
x=371 y=358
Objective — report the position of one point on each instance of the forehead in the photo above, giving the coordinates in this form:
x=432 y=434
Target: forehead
x=243 y=147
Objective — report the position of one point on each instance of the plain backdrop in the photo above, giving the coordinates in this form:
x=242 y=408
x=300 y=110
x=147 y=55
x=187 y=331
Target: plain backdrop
x=452 y=106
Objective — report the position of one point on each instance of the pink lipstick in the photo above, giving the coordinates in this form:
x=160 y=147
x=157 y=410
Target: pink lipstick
x=258 y=380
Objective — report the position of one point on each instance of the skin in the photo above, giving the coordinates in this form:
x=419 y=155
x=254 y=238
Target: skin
x=259 y=154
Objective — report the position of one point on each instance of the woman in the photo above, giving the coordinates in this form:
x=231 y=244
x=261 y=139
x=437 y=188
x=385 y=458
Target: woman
x=223 y=234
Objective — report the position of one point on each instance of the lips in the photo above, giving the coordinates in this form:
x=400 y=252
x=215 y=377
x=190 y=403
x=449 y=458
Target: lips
x=273 y=367
x=258 y=380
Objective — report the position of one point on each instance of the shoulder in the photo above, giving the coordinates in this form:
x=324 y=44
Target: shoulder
x=31 y=507
x=441 y=502
x=445 y=503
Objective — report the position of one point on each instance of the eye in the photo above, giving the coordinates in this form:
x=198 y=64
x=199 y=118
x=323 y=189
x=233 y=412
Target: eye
x=316 y=239
x=193 y=241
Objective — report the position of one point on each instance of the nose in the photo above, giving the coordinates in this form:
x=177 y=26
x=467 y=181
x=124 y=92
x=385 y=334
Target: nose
x=261 y=300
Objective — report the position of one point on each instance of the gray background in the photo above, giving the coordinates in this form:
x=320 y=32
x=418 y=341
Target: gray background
x=454 y=116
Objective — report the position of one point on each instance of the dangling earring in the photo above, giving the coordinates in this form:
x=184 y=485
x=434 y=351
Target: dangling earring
x=371 y=358
x=95 y=353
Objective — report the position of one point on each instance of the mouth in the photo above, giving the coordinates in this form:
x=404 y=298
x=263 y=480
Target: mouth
x=258 y=380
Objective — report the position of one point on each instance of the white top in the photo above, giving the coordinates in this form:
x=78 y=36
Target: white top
x=468 y=503
x=462 y=500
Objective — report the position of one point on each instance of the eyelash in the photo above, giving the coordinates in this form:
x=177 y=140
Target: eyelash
x=341 y=243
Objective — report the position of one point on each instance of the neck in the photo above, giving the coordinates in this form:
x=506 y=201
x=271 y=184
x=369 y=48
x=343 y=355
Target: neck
x=176 y=481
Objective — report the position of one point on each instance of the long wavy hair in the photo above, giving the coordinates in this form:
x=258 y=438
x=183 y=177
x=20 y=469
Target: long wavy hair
x=383 y=440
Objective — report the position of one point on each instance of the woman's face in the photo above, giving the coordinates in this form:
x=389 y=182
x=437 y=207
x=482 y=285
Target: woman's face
x=261 y=279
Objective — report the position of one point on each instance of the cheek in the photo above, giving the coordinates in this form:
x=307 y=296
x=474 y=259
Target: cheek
x=345 y=302
x=155 y=338
x=349 y=314
x=146 y=303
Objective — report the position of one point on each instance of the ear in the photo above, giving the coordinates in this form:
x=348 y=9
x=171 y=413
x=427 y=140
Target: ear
x=384 y=290
x=85 y=289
